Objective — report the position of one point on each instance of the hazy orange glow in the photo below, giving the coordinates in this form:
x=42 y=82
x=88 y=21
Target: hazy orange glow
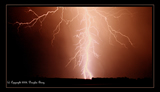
x=102 y=41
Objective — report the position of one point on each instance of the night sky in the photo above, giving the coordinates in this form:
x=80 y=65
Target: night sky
x=30 y=53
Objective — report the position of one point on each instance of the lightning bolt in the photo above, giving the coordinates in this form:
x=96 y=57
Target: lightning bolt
x=85 y=47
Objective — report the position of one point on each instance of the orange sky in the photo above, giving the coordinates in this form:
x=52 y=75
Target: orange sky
x=34 y=51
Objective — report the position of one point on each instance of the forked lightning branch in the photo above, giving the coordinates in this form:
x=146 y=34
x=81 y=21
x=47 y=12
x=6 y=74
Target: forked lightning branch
x=85 y=47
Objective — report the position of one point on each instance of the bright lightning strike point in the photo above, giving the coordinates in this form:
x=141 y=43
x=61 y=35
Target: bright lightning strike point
x=85 y=47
